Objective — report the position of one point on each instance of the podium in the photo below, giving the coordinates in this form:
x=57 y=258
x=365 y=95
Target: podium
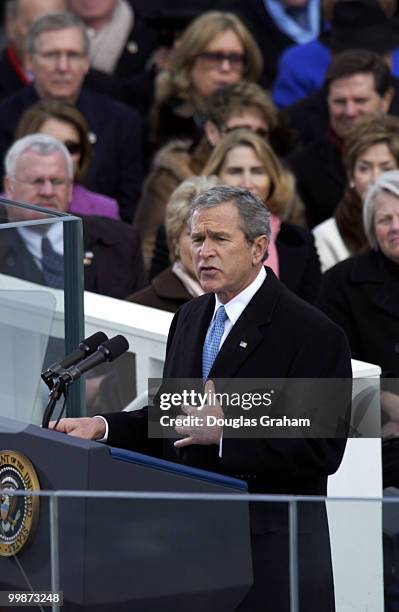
x=130 y=554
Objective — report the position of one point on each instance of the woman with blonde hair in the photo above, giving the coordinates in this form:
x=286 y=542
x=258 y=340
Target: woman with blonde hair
x=371 y=148
x=215 y=50
x=243 y=159
x=178 y=283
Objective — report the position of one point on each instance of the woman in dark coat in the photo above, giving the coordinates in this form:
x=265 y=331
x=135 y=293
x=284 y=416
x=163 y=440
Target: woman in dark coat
x=361 y=294
x=177 y=284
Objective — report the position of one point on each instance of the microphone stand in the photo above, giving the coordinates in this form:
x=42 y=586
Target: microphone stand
x=60 y=387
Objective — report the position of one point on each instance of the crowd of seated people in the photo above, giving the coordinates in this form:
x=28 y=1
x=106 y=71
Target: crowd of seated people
x=142 y=119
x=294 y=100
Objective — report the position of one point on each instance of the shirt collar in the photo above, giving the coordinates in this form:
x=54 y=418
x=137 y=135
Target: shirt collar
x=237 y=304
x=33 y=238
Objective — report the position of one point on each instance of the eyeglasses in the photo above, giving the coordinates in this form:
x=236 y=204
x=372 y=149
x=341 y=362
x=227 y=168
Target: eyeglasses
x=73 y=147
x=53 y=57
x=262 y=132
x=39 y=183
x=215 y=59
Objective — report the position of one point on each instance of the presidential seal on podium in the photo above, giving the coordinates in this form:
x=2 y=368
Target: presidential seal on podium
x=18 y=513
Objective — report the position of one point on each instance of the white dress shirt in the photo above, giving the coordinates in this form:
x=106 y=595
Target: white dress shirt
x=33 y=240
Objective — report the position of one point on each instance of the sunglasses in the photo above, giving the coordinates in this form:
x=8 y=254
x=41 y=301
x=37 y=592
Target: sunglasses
x=73 y=147
x=216 y=58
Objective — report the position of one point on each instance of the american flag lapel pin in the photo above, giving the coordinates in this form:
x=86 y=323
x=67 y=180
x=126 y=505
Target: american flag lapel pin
x=88 y=258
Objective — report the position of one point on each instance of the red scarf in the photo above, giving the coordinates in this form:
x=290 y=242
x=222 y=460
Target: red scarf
x=15 y=63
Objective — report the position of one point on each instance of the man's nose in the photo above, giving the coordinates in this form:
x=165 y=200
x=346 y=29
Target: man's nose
x=350 y=109
x=46 y=187
x=62 y=62
x=206 y=247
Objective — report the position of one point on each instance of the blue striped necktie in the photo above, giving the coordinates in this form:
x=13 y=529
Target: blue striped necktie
x=212 y=341
x=52 y=265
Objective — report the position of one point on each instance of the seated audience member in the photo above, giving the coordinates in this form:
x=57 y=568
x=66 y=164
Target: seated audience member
x=177 y=284
x=278 y=25
x=57 y=54
x=361 y=295
x=39 y=171
x=247 y=105
x=241 y=104
x=371 y=148
x=243 y=159
x=19 y=16
x=355 y=24
x=357 y=83
x=120 y=42
x=68 y=125
x=215 y=50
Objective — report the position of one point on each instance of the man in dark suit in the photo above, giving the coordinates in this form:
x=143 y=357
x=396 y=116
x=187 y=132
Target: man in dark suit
x=20 y=14
x=39 y=171
x=357 y=82
x=57 y=54
x=253 y=327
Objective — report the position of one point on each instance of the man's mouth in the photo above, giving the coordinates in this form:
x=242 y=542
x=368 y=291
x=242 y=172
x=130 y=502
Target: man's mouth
x=46 y=204
x=208 y=270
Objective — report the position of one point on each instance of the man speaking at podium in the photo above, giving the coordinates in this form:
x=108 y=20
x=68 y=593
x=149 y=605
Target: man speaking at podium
x=248 y=325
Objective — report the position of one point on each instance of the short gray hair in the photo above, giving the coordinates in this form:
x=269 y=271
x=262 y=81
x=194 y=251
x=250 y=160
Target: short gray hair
x=41 y=144
x=52 y=22
x=388 y=182
x=254 y=216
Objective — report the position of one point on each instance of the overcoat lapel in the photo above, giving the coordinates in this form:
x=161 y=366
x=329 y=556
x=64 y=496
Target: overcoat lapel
x=248 y=331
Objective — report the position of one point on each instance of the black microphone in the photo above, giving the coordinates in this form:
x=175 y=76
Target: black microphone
x=107 y=351
x=85 y=348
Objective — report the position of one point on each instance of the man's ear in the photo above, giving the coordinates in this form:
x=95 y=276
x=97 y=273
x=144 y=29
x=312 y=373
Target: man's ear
x=7 y=186
x=387 y=99
x=87 y=65
x=70 y=194
x=260 y=246
x=212 y=133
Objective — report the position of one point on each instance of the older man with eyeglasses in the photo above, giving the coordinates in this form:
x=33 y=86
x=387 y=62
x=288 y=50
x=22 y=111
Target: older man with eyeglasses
x=57 y=54
x=39 y=171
